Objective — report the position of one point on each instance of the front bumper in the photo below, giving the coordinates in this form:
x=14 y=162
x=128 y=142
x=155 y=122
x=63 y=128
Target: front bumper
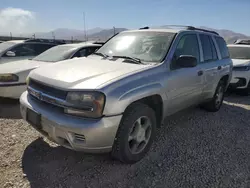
x=12 y=91
x=88 y=135
x=240 y=80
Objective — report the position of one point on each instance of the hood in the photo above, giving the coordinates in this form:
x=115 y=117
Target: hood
x=20 y=66
x=84 y=73
x=240 y=62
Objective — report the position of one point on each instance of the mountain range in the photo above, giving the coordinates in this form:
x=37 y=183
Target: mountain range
x=101 y=34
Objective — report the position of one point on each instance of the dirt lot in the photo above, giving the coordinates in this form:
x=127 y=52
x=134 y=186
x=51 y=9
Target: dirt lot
x=194 y=149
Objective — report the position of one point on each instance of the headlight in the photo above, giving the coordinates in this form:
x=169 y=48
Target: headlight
x=241 y=68
x=8 y=78
x=27 y=81
x=86 y=104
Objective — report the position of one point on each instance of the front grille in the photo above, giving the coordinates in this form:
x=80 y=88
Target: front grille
x=49 y=105
x=48 y=89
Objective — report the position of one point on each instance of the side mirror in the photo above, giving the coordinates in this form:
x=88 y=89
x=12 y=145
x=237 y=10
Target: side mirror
x=185 y=61
x=10 y=54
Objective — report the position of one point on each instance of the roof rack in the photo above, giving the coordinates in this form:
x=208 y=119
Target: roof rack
x=242 y=41
x=46 y=41
x=144 y=28
x=192 y=28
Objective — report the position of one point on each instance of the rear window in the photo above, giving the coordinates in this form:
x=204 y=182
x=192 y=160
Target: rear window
x=222 y=47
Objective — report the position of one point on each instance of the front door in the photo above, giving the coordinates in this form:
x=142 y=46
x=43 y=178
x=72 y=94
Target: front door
x=21 y=52
x=184 y=85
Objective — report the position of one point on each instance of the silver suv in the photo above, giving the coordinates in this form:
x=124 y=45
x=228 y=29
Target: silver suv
x=114 y=100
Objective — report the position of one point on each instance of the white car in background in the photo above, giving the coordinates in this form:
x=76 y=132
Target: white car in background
x=240 y=55
x=13 y=75
x=15 y=50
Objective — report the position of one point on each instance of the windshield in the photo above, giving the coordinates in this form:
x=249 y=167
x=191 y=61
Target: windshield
x=57 y=53
x=239 y=52
x=148 y=46
x=5 y=45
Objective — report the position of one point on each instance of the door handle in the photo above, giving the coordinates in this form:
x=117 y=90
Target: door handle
x=200 y=73
x=219 y=67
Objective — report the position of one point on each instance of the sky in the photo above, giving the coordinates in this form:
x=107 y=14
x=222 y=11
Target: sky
x=26 y=16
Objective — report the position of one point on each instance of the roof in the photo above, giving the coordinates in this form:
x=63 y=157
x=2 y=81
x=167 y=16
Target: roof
x=81 y=44
x=15 y=41
x=153 y=30
x=239 y=45
x=175 y=29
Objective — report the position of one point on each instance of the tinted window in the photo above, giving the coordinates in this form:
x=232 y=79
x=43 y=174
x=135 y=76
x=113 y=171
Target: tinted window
x=188 y=45
x=81 y=53
x=222 y=46
x=40 y=48
x=92 y=49
x=214 y=52
x=24 y=50
x=206 y=48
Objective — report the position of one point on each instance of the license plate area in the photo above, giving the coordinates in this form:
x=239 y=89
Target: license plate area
x=34 y=119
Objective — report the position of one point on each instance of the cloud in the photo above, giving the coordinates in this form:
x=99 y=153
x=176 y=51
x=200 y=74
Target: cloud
x=16 y=20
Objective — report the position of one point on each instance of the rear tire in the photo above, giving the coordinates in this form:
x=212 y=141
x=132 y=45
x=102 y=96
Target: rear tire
x=129 y=135
x=217 y=100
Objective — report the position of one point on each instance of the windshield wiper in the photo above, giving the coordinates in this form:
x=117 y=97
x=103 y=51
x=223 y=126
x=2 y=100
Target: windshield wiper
x=100 y=54
x=134 y=59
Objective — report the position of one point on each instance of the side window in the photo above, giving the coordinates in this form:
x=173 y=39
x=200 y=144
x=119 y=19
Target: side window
x=214 y=52
x=223 y=47
x=80 y=53
x=24 y=50
x=40 y=48
x=92 y=50
x=207 y=48
x=188 y=45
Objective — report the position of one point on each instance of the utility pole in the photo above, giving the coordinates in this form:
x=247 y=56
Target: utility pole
x=114 y=30
x=53 y=35
x=84 y=21
x=10 y=36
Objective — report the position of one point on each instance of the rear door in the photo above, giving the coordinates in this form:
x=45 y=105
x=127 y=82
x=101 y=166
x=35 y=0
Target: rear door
x=184 y=85
x=211 y=64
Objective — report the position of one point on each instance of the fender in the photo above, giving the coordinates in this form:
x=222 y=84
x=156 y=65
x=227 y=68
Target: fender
x=118 y=106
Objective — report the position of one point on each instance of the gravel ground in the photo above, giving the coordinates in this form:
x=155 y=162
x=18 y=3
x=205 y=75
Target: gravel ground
x=194 y=149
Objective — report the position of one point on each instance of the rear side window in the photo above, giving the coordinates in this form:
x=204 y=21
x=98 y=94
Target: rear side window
x=223 y=47
x=209 y=53
x=40 y=48
x=92 y=49
x=215 y=55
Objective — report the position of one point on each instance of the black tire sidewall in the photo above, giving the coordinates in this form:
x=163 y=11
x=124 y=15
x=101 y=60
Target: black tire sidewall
x=138 y=110
x=220 y=84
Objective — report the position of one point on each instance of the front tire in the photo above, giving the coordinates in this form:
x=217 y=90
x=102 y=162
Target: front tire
x=217 y=100
x=135 y=134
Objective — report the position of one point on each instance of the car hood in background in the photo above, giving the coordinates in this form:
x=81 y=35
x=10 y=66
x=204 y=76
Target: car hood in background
x=20 y=66
x=241 y=62
x=84 y=73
